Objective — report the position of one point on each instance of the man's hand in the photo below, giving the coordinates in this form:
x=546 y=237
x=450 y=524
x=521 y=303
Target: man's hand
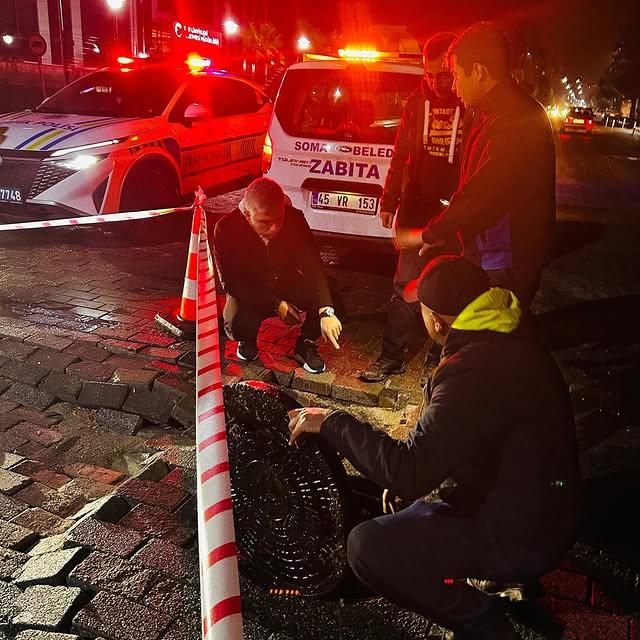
x=331 y=329
x=407 y=237
x=429 y=243
x=307 y=420
x=289 y=313
x=386 y=217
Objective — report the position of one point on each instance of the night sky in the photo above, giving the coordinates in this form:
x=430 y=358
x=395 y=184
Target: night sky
x=580 y=34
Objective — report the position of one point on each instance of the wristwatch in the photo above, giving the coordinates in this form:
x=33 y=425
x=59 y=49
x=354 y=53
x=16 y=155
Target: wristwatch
x=329 y=312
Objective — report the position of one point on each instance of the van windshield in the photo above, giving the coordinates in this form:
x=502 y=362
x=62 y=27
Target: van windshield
x=344 y=104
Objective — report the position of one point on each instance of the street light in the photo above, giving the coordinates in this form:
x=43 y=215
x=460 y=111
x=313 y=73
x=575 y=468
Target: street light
x=304 y=44
x=8 y=39
x=115 y=6
x=231 y=27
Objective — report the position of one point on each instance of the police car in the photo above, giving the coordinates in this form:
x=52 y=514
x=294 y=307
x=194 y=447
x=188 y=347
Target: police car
x=330 y=140
x=133 y=137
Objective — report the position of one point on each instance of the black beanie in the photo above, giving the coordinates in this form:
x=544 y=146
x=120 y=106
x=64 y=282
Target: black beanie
x=449 y=283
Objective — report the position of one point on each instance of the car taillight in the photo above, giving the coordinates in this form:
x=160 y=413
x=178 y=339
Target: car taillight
x=589 y=121
x=568 y=120
x=267 y=154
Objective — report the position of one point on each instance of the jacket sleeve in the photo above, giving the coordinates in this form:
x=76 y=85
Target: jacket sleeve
x=457 y=424
x=494 y=186
x=245 y=288
x=401 y=152
x=311 y=265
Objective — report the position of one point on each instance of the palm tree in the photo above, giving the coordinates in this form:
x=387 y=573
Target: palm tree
x=264 y=43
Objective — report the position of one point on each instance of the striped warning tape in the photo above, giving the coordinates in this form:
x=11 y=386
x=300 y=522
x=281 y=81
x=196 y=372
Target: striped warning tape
x=108 y=217
x=219 y=582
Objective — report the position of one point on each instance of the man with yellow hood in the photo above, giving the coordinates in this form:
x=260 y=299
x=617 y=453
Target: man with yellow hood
x=497 y=425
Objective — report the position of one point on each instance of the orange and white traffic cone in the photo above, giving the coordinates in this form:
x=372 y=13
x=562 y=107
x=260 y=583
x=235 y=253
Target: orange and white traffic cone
x=181 y=322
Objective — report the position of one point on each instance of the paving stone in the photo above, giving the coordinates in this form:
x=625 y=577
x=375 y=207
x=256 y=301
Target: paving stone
x=174 y=598
x=158 y=523
x=11 y=482
x=117 y=333
x=52 y=360
x=10 y=562
x=106 y=537
x=121 y=362
x=63 y=386
x=137 y=378
x=319 y=383
x=30 y=374
x=104 y=572
x=123 y=347
x=160 y=555
x=35 y=416
x=98 y=474
x=11 y=443
x=86 y=489
x=19 y=333
x=184 y=412
x=45 y=606
x=36 y=433
x=154 y=339
x=40 y=473
x=49 y=340
x=86 y=351
x=14 y=536
x=49 y=568
x=103 y=394
x=163 y=367
x=41 y=522
x=49 y=545
x=10 y=507
x=180 y=631
x=60 y=409
x=7 y=405
x=174 y=387
x=92 y=371
x=183 y=478
x=8 y=595
x=26 y=395
x=154 y=406
x=157 y=494
x=119 y=421
x=5 y=384
x=8 y=460
x=117 y=618
x=37 y=634
x=40 y=495
x=180 y=457
x=31 y=450
x=16 y=350
x=9 y=420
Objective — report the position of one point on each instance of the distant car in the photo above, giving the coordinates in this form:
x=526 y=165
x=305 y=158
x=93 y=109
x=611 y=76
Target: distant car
x=130 y=138
x=578 y=119
x=330 y=140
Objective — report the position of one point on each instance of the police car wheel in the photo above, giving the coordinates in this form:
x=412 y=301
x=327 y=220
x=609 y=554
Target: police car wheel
x=150 y=185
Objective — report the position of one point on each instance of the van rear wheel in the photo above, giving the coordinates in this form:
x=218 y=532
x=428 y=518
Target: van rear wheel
x=150 y=185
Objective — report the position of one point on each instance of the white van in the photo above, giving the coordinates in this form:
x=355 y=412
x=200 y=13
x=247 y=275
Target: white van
x=331 y=136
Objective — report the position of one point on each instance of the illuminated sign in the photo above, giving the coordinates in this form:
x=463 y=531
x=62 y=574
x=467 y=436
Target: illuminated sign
x=196 y=34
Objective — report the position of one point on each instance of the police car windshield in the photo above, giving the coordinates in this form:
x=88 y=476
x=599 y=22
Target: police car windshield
x=344 y=104
x=135 y=93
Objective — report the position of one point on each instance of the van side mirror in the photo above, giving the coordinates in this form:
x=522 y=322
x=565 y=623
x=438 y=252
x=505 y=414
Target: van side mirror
x=196 y=112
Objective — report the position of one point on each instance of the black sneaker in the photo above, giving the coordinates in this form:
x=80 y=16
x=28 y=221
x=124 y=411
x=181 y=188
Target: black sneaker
x=306 y=353
x=381 y=369
x=247 y=351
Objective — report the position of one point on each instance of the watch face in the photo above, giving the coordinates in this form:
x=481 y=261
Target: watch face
x=329 y=312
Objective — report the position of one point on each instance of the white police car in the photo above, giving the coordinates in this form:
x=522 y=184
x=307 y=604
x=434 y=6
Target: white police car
x=331 y=136
x=133 y=137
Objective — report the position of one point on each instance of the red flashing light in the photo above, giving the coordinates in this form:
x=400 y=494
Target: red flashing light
x=197 y=63
x=267 y=154
x=125 y=60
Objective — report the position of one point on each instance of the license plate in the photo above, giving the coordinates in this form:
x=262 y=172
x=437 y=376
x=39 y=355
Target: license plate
x=344 y=202
x=10 y=194
x=578 y=121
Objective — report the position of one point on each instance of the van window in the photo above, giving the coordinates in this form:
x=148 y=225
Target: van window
x=344 y=104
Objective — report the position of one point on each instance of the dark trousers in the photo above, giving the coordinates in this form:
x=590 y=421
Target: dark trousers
x=419 y=557
x=242 y=321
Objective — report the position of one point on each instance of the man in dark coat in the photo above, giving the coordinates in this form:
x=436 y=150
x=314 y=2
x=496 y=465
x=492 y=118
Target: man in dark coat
x=497 y=425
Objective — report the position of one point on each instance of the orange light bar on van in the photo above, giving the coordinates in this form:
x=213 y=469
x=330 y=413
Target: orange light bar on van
x=359 y=54
x=125 y=60
x=197 y=63
x=267 y=154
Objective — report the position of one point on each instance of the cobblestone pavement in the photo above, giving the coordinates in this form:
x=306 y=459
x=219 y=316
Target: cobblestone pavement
x=97 y=465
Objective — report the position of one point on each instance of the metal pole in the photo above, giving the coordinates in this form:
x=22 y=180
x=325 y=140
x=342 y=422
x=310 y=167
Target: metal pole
x=62 y=51
x=134 y=27
x=43 y=88
x=115 y=27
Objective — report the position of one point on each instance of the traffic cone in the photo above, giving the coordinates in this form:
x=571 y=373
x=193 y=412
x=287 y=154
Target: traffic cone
x=181 y=322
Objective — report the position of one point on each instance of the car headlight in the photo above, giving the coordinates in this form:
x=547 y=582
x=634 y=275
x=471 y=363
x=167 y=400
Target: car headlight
x=79 y=162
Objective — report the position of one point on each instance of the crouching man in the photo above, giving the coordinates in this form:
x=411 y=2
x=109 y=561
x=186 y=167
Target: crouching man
x=498 y=425
x=269 y=265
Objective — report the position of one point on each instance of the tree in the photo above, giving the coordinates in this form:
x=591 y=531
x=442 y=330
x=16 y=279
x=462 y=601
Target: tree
x=263 y=42
x=622 y=78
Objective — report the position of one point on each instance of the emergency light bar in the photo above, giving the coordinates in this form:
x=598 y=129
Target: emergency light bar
x=359 y=54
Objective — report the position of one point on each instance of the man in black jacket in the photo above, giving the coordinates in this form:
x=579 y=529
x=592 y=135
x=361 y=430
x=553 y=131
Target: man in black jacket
x=268 y=265
x=498 y=425
x=504 y=207
x=426 y=150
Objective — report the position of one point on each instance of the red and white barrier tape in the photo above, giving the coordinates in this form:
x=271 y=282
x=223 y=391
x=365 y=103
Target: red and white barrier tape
x=106 y=217
x=219 y=581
